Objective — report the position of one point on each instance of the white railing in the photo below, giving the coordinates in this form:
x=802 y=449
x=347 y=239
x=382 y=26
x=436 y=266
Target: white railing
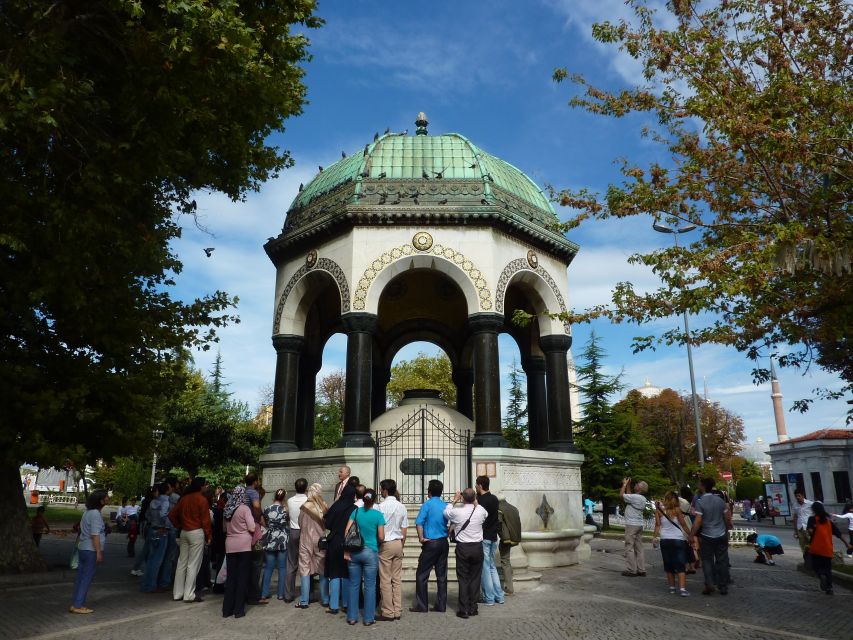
x=54 y=499
x=737 y=535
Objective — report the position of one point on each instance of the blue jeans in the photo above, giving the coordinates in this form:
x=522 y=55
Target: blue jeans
x=338 y=593
x=305 y=589
x=142 y=557
x=363 y=563
x=275 y=559
x=85 y=573
x=157 y=545
x=490 y=581
x=167 y=568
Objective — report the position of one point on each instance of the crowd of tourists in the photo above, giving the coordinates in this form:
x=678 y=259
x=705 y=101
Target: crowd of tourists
x=692 y=532
x=197 y=538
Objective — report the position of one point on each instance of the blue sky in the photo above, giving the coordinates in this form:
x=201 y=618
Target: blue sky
x=483 y=70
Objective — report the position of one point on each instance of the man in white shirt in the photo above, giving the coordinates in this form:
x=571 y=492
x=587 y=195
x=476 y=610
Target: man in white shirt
x=467 y=521
x=635 y=503
x=801 y=511
x=391 y=552
x=294 y=502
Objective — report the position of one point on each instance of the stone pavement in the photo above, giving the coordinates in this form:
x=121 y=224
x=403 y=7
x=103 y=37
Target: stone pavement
x=589 y=601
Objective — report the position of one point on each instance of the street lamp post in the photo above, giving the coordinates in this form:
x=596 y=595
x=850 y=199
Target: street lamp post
x=700 y=453
x=157 y=434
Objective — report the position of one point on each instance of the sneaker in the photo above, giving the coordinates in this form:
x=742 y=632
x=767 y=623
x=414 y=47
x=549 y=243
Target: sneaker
x=629 y=574
x=672 y=589
x=488 y=604
x=772 y=563
x=683 y=593
x=137 y=572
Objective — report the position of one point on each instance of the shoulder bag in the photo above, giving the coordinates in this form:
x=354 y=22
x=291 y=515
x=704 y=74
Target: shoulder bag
x=452 y=533
x=353 y=540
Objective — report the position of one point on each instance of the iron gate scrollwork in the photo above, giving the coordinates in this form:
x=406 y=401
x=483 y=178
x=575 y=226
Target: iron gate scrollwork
x=423 y=447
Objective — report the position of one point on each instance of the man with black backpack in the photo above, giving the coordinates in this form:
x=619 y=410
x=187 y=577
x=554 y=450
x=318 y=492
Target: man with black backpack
x=509 y=530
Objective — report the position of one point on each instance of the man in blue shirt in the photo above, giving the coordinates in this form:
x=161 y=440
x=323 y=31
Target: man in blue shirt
x=432 y=533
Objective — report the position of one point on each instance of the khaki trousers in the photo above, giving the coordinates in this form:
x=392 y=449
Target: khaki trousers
x=391 y=578
x=635 y=560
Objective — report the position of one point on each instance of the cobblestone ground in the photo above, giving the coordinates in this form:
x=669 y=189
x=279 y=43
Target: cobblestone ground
x=590 y=601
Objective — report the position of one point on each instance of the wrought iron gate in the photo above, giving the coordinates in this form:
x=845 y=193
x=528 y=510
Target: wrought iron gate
x=423 y=447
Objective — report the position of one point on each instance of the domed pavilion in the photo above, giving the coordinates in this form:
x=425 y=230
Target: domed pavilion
x=425 y=238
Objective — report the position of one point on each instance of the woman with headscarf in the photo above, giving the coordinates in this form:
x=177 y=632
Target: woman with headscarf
x=239 y=530
x=336 y=567
x=311 y=557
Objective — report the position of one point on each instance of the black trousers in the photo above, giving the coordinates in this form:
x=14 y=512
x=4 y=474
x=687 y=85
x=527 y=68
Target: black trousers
x=823 y=568
x=255 y=574
x=715 y=560
x=238 y=566
x=433 y=556
x=469 y=571
x=292 y=564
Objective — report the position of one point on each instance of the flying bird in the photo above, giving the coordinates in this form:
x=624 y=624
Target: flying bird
x=209 y=251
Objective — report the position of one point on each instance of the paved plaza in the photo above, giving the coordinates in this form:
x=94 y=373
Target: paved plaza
x=589 y=601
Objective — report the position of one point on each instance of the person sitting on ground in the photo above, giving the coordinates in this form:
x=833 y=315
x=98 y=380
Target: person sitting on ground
x=766 y=546
x=39 y=525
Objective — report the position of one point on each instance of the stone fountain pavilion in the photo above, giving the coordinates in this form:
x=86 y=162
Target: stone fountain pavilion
x=429 y=238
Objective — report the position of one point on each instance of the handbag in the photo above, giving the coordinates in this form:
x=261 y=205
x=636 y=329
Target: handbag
x=353 y=540
x=75 y=558
x=323 y=543
x=452 y=533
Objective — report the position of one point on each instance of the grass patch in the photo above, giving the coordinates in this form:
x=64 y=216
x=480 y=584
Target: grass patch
x=62 y=517
x=843 y=568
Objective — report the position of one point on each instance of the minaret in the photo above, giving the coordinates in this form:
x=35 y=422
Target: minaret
x=778 y=412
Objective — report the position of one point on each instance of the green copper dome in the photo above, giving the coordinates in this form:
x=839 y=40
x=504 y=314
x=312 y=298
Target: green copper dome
x=422 y=179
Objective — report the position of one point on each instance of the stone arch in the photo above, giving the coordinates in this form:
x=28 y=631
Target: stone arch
x=291 y=308
x=541 y=289
x=453 y=264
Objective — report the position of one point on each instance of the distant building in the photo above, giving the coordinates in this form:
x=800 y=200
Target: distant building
x=819 y=463
x=648 y=390
x=757 y=452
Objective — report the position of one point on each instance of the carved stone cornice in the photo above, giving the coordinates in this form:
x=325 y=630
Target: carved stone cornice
x=360 y=322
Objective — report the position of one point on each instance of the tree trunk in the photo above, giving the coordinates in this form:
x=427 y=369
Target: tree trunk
x=18 y=553
x=605 y=514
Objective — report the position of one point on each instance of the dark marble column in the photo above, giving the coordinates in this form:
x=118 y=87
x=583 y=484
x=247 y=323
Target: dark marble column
x=379 y=390
x=309 y=366
x=484 y=329
x=537 y=403
x=556 y=348
x=285 y=393
x=360 y=328
x=464 y=381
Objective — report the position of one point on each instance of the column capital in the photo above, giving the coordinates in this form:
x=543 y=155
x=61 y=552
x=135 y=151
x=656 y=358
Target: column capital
x=485 y=323
x=555 y=342
x=288 y=343
x=360 y=322
x=533 y=364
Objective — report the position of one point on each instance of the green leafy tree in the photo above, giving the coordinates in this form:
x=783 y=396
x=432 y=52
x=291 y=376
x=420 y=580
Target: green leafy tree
x=750 y=488
x=204 y=428
x=126 y=477
x=329 y=410
x=112 y=114
x=752 y=103
x=423 y=372
x=515 y=423
x=612 y=445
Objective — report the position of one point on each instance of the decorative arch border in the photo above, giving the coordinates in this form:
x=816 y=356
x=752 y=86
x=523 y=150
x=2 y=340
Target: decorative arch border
x=322 y=264
x=392 y=255
x=524 y=264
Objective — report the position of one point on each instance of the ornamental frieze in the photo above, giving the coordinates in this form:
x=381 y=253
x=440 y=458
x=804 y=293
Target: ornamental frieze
x=528 y=263
x=313 y=263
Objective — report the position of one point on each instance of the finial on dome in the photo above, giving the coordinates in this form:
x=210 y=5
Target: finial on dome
x=421 y=124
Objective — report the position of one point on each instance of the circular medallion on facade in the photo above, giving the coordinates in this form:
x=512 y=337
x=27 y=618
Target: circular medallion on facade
x=532 y=259
x=311 y=259
x=422 y=241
